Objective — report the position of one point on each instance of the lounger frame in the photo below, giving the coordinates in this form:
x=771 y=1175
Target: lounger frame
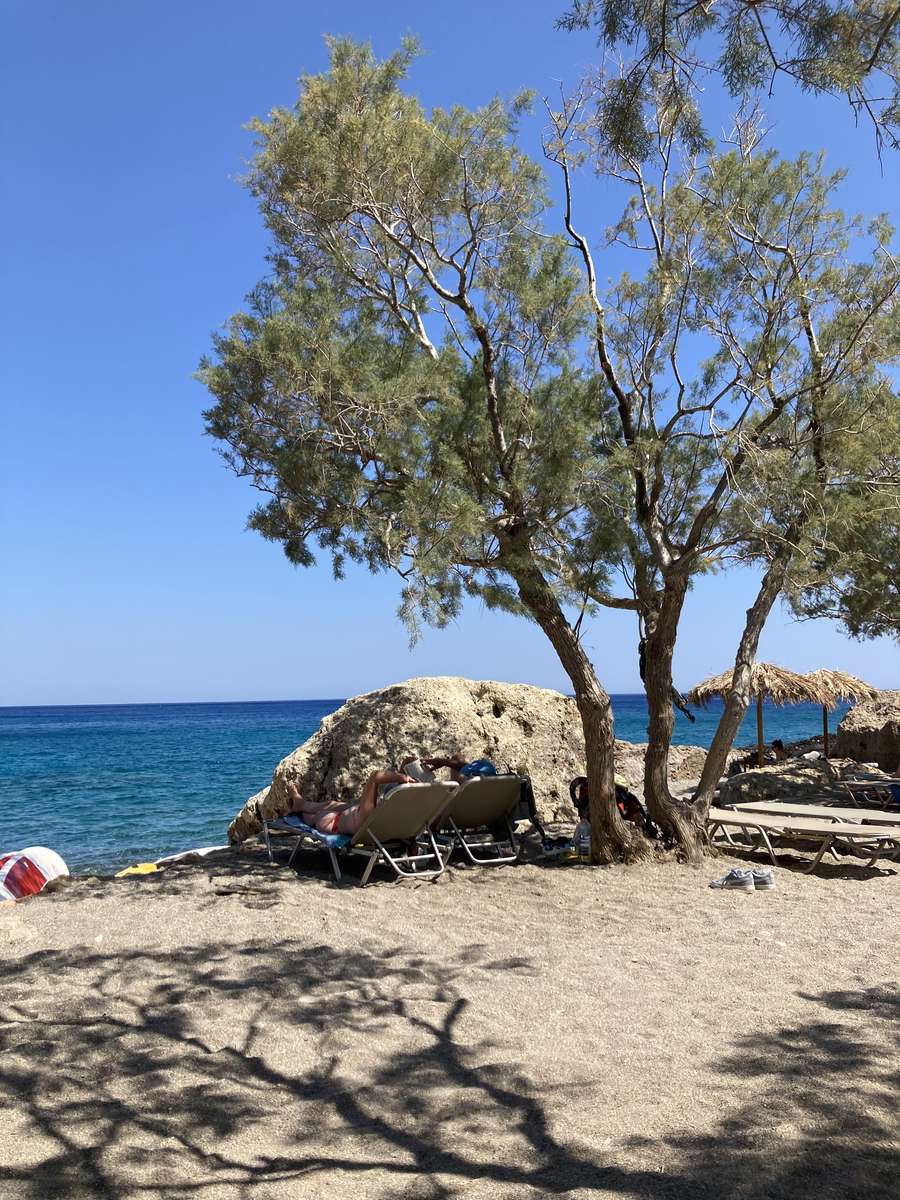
x=463 y=826
x=427 y=863
x=875 y=841
x=821 y=812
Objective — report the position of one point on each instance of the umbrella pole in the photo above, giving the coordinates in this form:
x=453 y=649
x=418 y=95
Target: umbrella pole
x=759 y=732
x=825 y=728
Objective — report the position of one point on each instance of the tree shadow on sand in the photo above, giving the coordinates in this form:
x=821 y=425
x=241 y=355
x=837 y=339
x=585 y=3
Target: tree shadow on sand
x=254 y=1069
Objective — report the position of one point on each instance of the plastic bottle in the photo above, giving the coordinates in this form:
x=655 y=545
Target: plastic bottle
x=582 y=841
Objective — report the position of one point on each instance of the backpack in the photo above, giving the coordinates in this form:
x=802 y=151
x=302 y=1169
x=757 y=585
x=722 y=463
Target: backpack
x=629 y=806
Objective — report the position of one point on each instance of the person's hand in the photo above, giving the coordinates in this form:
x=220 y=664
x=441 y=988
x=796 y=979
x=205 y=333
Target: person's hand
x=408 y=779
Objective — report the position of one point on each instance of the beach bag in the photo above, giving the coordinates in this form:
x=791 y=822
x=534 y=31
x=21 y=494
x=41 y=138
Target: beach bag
x=27 y=872
x=629 y=806
x=481 y=766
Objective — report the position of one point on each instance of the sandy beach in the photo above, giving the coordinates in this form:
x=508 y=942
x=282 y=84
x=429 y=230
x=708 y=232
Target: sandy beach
x=229 y=1029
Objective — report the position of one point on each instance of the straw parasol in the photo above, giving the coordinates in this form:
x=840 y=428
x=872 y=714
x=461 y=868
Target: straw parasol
x=767 y=682
x=839 y=686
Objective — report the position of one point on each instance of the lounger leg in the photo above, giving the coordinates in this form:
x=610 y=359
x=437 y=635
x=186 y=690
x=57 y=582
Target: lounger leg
x=435 y=849
x=268 y=840
x=513 y=839
x=373 y=859
x=467 y=850
x=335 y=866
x=826 y=844
x=725 y=833
x=765 y=838
x=414 y=871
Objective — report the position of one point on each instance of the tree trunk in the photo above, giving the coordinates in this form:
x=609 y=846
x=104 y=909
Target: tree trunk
x=612 y=839
x=675 y=818
x=738 y=699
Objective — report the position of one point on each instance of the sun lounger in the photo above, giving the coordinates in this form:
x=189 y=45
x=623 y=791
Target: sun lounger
x=397 y=833
x=875 y=841
x=474 y=813
x=879 y=792
x=825 y=812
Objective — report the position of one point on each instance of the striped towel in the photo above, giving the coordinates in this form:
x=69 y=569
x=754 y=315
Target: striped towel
x=292 y=824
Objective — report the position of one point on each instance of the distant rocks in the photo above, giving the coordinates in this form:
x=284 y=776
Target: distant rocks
x=870 y=732
x=520 y=728
x=792 y=779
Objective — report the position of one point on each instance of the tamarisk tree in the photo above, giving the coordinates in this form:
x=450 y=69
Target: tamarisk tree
x=844 y=48
x=406 y=388
x=851 y=572
x=745 y=354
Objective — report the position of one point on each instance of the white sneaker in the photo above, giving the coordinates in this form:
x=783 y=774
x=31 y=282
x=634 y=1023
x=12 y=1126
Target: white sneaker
x=736 y=880
x=763 y=878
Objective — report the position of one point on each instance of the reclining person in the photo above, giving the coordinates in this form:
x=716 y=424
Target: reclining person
x=336 y=816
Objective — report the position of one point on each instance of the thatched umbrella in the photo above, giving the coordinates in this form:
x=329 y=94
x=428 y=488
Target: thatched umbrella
x=839 y=686
x=767 y=681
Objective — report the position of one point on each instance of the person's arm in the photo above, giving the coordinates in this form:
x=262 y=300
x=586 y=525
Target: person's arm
x=383 y=777
x=454 y=762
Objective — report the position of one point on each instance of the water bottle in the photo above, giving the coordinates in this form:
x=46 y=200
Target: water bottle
x=582 y=841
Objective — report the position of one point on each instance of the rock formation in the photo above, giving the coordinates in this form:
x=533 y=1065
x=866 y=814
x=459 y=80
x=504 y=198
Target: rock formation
x=870 y=732
x=525 y=729
x=794 y=779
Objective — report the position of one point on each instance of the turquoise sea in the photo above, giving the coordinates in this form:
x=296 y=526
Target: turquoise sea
x=108 y=785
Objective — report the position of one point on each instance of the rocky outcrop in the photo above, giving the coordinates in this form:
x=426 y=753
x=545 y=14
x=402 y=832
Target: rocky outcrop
x=525 y=729
x=811 y=780
x=870 y=732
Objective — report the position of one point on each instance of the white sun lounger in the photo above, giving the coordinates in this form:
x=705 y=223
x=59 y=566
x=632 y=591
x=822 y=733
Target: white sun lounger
x=825 y=812
x=400 y=818
x=876 y=841
x=477 y=808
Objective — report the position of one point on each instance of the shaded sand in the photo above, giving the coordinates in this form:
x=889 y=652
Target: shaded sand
x=228 y=1030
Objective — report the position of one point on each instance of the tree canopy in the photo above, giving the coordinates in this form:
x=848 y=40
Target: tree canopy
x=848 y=48
x=751 y=337
x=433 y=381
x=407 y=387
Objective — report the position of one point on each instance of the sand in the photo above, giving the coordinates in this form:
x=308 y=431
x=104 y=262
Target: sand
x=231 y=1030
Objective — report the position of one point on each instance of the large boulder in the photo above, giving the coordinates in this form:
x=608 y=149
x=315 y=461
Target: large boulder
x=870 y=732
x=525 y=729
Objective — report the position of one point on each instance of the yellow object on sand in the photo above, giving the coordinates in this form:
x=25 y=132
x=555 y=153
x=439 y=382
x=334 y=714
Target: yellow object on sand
x=138 y=869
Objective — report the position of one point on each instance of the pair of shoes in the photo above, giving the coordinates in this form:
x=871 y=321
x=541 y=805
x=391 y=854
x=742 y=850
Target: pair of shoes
x=760 y=879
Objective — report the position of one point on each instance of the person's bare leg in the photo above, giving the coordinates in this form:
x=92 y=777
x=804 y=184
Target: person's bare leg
x=312 y=811
x=295 y=798
x=352 y=818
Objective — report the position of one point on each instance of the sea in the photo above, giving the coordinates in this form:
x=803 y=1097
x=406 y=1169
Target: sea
x=109 y=785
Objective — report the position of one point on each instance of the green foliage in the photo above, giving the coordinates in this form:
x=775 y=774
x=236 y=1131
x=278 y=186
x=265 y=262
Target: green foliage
x=834 y=47
x=407 y=384
x=425 y=373
x=849 y=569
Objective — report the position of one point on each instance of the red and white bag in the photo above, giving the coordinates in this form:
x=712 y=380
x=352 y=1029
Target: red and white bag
x=27 y=872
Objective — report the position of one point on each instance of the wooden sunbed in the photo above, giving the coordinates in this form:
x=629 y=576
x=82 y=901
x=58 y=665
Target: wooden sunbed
x=876 y=841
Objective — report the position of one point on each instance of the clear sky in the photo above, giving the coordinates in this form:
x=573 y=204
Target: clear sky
x=127 y=574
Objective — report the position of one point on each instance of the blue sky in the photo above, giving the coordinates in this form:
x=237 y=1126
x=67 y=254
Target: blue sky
x=127 y=572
